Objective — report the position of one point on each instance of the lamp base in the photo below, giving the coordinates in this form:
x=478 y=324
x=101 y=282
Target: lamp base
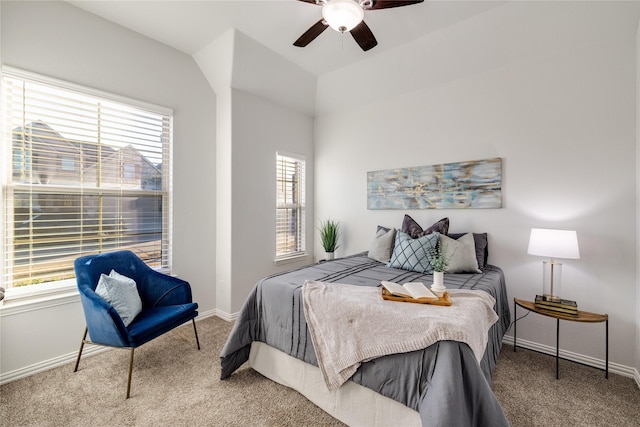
x=551 y=280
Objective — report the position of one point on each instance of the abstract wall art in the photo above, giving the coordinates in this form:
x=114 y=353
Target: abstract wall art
x=463 y=185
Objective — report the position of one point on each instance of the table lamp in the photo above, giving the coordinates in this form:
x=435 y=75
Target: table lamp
x=553 y=244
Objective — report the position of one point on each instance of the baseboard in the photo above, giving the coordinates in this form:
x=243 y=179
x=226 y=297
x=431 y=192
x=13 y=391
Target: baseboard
x=89 y=350
x=204 y=314
x=45 y=365
x=616 y=368
x=226 y=316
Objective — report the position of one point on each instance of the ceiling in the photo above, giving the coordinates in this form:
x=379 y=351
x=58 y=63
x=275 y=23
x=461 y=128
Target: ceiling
x=191 y=25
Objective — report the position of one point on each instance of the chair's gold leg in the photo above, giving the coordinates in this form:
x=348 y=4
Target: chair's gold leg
x=130 y=370
x=196 y=332
x=84 y=338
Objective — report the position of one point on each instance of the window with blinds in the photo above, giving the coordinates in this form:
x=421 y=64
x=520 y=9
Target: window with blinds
x=87 y=173
x=290 y=206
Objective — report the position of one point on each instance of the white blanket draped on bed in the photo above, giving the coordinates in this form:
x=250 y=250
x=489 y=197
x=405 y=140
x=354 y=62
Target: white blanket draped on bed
x=352 y=324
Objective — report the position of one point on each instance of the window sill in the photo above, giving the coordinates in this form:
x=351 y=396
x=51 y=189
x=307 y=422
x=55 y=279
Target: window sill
x=290 y=260
x=33 y=297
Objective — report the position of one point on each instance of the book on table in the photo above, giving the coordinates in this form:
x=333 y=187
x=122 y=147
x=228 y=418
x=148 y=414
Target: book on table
x=415 y=290
x=556 y=302
x=557 y=310
x=560 y=306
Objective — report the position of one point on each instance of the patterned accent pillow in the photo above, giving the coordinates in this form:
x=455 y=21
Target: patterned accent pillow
x=412 y=254
x=122 y=293
x=413 y=229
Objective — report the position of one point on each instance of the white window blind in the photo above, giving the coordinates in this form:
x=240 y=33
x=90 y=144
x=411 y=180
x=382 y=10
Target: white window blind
x=87 y=172
x=290 y=206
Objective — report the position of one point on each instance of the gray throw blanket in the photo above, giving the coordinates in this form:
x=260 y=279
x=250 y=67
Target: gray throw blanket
x=352 y=324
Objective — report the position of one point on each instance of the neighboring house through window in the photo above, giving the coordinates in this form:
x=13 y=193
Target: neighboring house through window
x=90 y=173
x=290 y=206
x=68 y=164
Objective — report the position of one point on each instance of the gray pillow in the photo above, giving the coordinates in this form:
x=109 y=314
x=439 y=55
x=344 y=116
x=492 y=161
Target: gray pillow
x=122 y=293
x=382 y=244
x=461 y=254
x=413 y=229
x=482 y=247
x=412 y=254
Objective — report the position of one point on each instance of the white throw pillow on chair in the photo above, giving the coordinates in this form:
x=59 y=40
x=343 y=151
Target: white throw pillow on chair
x=122 y=293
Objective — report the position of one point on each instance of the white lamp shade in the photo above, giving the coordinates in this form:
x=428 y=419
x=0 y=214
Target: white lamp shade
x=342 y=15
x=554 y=243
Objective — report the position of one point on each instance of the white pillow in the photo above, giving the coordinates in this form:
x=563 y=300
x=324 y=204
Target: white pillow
x=382 y=245
x=121 y=292
x=461 y=254
x=121 y=277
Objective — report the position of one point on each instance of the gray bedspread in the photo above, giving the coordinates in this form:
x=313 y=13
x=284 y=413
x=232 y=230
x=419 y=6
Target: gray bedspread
x=443 y=382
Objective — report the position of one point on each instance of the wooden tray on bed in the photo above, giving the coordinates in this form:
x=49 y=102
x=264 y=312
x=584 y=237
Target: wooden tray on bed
x=443 y=300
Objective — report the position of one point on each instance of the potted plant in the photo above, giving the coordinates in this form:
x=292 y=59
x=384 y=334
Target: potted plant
x=329 y=237
x=439 y=262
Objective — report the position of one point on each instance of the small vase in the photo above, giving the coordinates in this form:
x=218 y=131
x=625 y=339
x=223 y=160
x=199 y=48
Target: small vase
x=438 y=287
x=328 y=256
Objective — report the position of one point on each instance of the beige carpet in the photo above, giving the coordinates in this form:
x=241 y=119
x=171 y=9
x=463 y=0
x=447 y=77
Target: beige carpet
x=175 y=384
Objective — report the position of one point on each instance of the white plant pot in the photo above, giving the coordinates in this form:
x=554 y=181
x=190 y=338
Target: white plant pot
x=438 y=283
x=328 y=256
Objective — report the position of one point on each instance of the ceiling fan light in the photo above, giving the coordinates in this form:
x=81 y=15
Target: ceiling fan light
x=342 y=15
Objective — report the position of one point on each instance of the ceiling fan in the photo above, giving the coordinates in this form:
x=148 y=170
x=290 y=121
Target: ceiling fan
x=347 y=16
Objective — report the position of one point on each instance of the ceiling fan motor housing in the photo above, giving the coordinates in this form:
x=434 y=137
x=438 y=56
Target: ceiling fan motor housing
x=342 y=15
x=348 y=16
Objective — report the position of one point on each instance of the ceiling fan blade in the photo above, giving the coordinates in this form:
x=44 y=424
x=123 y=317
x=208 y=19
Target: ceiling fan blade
x=386 y=4
x=309 y=1
x=310 y=35
x=364 y=37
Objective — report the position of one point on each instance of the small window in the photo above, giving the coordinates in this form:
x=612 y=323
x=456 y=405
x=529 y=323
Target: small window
x=129 y=171
x=290 y=206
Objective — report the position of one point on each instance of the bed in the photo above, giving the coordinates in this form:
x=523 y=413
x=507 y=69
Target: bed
x=441 y=385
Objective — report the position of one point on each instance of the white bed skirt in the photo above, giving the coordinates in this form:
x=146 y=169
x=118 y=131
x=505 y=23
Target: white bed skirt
x=352 y=403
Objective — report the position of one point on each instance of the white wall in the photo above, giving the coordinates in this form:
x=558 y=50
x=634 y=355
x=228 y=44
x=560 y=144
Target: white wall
x=264 y=105
x=216 y=63
x=260 y=129
x=266 y=74
x=272 y=102
x=62 y=41
x=550 y=87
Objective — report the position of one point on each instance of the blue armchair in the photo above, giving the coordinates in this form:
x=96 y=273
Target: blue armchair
x=166 y=304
